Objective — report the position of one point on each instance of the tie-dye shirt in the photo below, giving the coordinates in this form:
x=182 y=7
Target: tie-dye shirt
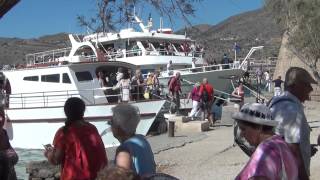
x=268 y=159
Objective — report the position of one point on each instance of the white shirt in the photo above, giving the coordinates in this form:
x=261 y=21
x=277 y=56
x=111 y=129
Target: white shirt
x=169 y=68
x=193 y=64
x=293 y=125
x=267 y=76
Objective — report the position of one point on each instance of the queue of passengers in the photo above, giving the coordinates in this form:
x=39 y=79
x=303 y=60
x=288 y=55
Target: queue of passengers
x=130 y=88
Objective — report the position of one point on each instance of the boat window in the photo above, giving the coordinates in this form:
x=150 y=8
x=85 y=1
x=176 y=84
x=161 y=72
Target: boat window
x=31 y=78
x=65 y=78
x=55 y=78
x=84 y=76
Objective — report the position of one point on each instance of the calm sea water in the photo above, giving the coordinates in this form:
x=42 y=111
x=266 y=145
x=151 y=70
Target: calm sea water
x=25 y=156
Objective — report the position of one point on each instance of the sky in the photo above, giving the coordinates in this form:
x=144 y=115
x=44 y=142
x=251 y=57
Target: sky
x=36 y=18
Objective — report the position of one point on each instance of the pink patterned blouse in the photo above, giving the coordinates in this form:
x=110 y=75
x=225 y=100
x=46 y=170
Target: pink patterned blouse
x=272 y=159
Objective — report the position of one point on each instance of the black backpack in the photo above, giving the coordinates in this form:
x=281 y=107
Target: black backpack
x=205 y=95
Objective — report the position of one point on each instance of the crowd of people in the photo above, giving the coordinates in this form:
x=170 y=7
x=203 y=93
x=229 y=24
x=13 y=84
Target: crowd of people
x=123 y=87
x=78 y=147
x=277 y=135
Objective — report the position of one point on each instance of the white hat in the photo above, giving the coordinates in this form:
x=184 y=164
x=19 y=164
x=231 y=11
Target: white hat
x=255 y=113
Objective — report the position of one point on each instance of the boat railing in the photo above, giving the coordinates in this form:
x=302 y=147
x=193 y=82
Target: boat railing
x=60 y=56
x=47 y=56
x=175 y=53
x=90 y=96
x=235 y=65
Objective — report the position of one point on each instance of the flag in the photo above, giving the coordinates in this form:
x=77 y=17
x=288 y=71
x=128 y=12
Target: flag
x=236 y=47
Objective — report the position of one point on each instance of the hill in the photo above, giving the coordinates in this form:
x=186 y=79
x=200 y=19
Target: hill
x=254 y=28
x=13 y=50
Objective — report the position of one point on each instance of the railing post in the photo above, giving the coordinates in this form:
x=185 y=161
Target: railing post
x=138 y=95
x=44 y=100
x=94 y=100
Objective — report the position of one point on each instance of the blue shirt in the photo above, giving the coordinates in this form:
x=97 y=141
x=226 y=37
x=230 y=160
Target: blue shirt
x=142 y=156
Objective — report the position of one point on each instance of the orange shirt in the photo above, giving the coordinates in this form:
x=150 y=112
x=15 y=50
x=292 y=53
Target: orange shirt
x=84 y=152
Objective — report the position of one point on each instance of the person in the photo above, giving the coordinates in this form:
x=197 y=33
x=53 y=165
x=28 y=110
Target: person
x=259 y=75
x=225 y=61
x=156 y=85
x=74 y=144
x=277 y=86
x=238 y=94
x=8 y=156
x=134 y=152
x=125 y=86
x=216 y=109
x=246 y=76
x=175 y=91
x=119 y=74
x=149 y=85
x=272 y=158
x=137 y=84
x=268 y=81
x=193 y=63
x=117 y=173
x=206 y=93
x=170 y=68
x=195 y=96
x=102 y=79
x=287 y=109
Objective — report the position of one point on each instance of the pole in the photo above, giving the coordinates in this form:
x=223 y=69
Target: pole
x=171 y=128
x=235 y=51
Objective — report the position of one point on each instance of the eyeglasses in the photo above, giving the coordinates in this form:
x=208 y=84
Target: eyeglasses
x=256 y=114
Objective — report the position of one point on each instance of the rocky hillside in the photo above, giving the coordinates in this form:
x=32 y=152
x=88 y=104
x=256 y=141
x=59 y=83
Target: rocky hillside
x=13 y=50
x=254 y=28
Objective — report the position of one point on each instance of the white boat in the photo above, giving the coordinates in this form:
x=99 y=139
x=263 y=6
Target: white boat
x=37 y=91
x=35 y=105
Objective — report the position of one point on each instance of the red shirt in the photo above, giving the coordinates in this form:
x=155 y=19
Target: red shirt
x=209 y=90
x=175 y=85
x=84 y=152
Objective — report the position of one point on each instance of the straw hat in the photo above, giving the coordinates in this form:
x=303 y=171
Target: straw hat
x=255 y=113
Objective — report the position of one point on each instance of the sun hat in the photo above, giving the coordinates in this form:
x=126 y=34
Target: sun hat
x=296 y=75
x=255 y=113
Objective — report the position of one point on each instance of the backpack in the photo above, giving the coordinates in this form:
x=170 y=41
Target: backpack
x=205 y=95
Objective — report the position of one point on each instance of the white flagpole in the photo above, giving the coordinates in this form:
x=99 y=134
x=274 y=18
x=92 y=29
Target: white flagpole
x=235 y=51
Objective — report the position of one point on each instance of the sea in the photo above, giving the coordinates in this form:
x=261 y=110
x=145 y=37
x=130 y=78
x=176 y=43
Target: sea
x=26 y=156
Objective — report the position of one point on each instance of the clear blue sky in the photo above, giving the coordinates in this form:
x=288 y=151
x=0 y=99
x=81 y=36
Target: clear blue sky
x=35 y=18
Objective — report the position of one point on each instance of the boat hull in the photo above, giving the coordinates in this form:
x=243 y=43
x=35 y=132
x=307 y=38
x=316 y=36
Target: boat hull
x=30 y=128
x=220 y=79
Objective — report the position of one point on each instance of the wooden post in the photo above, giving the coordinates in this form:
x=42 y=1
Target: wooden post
x=171 y=128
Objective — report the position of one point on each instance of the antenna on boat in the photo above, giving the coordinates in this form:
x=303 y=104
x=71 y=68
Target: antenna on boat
x=161 y=24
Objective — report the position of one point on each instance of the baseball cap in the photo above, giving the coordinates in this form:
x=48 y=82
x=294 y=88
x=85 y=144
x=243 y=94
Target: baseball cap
x=296 y=75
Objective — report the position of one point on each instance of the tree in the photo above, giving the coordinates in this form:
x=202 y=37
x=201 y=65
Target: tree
x=112 y=13
x=301 y=20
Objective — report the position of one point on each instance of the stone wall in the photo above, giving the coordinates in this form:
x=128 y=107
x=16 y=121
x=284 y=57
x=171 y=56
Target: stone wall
x=287 y=59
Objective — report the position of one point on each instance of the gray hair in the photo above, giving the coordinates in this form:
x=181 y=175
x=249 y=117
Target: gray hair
x=126 y=117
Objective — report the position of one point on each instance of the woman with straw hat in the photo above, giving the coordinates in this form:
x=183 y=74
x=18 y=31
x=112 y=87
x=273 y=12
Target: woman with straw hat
x=272 y=158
